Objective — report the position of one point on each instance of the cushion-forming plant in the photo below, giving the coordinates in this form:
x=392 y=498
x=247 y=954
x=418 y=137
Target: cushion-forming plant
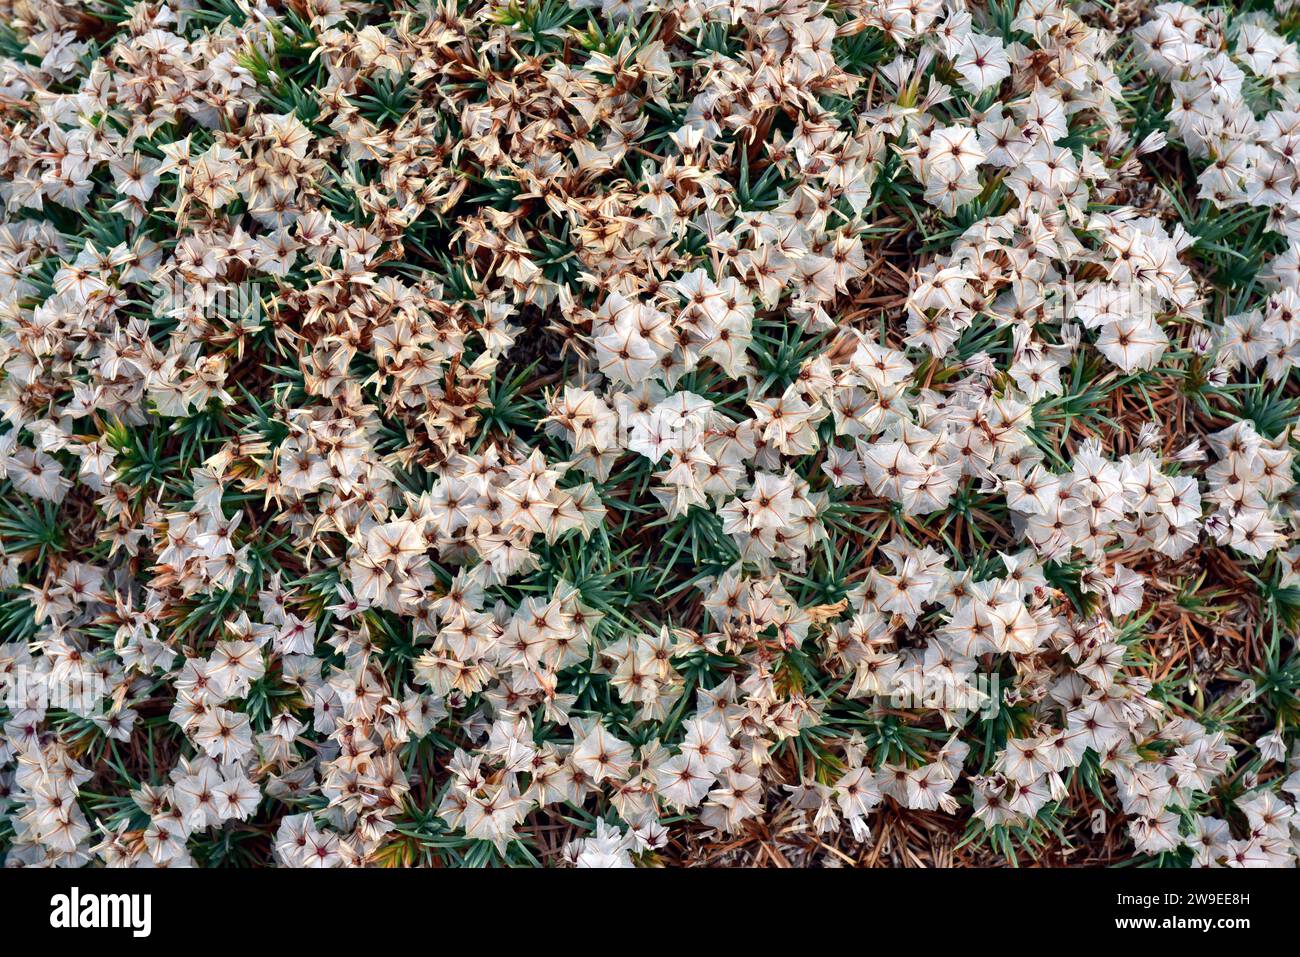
x=633 y=433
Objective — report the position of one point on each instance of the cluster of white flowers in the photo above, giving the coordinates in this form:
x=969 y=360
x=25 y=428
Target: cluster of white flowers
x=420 y=421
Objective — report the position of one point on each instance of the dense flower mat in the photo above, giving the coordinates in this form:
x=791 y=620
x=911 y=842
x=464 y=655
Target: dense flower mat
x=627 y=433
